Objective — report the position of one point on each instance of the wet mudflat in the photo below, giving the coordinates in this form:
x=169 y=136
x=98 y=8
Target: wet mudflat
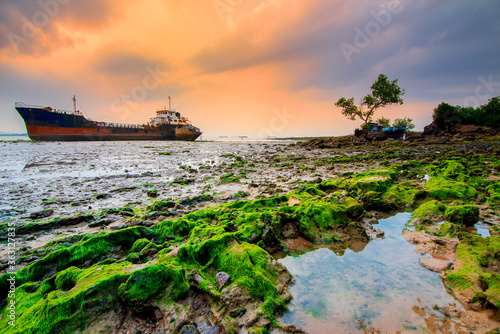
x=67 y=176
x=381 y=286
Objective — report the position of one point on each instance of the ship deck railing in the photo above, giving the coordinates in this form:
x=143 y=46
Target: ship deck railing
x=59 y=111
x=121 y=125
x=174 y=122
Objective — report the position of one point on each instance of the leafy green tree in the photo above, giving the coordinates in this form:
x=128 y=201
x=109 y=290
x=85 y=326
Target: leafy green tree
x=491 y=113
x=384 y=93
x=446 y=116
x=385 y=122
x=406 y=122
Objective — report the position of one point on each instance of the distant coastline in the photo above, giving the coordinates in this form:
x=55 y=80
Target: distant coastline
x=6 y=134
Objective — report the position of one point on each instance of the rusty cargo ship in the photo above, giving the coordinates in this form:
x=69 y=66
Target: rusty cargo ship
x=48 y=124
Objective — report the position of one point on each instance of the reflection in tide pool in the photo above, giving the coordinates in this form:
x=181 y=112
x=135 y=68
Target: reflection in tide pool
x=483 y=229
x=382 y=287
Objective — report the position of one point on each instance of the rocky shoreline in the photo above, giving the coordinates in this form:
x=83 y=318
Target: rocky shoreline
x=187 y=247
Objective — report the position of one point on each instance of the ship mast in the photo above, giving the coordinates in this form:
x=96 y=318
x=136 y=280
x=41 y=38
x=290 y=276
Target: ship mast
x=169 y=103
x=74 y=104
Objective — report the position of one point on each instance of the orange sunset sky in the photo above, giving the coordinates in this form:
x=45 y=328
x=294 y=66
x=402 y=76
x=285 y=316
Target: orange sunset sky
x=245 y=67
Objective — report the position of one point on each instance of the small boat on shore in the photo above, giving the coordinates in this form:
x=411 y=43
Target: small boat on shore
x=391 y=131
x=395 y=131
x=48 y=124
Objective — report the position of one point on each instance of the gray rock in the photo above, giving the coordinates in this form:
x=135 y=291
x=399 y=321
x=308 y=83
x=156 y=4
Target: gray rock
x=292 y=329
x=152 y=193
x=102 y=196
x=436 y=265
x=153 y=215
x=290 y=231
x=222 y=278
x=126 y=214
x=190 y=329
x=41 y=214
x=270 y=240
x=215 y=330
x=237 y=312
x=102 y=222
x=195 y=278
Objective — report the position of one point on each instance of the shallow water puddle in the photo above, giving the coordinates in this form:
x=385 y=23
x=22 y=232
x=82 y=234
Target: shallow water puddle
x=380 y=287
x=482 y=229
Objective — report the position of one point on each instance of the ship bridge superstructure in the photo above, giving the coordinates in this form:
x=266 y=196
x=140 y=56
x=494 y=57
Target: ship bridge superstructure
x=169 y=116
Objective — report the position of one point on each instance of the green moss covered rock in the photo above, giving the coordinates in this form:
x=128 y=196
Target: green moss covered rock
x=493 y=193
x=442 y=188
x=476 y=257
x=428 y=212
x=354 y=209
x=462 y=214
x=152 y=281
x=452 y=169
x=139 y=245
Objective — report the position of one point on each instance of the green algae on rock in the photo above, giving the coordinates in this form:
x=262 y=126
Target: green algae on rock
x=442 y=188
x=462 y=214
x=493 y=192
x=428 y=212
x=471 y=275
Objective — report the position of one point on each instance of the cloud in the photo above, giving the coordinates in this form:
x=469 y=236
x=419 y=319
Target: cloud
x=282 y=31
x=120 y=63
x=36 y=28
x=422 y=40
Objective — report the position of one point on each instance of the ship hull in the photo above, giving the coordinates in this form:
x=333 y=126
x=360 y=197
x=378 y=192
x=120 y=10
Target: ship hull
x=46 y=125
